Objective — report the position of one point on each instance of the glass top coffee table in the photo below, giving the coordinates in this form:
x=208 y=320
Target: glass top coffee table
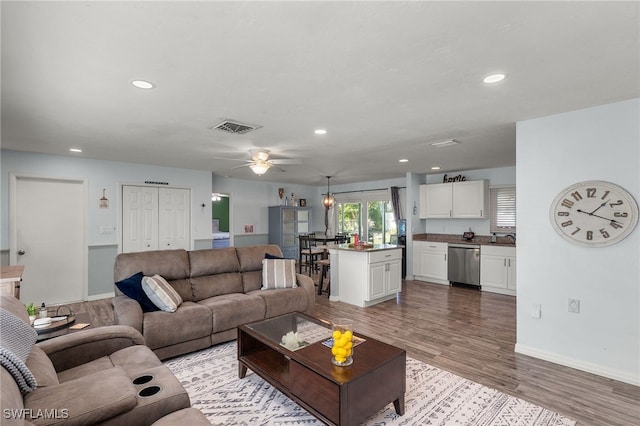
x=304 y=372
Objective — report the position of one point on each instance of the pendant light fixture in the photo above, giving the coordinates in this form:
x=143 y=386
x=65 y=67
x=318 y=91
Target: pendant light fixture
x=328 y=201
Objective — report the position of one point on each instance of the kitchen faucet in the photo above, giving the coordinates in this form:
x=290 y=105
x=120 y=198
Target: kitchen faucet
x=513 y=236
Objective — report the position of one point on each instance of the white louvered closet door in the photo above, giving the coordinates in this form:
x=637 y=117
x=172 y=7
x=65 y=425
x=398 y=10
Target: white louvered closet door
x=174 y=218
x=139 y=218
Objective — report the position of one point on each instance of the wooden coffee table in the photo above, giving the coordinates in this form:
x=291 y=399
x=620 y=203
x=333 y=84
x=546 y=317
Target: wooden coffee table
x=335 y=395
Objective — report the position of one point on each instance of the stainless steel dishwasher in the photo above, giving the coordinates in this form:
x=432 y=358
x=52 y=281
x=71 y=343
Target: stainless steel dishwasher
x=464 y=264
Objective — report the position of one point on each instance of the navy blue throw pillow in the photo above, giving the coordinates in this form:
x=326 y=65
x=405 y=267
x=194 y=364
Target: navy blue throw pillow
x=271 y=256
x=132 y=287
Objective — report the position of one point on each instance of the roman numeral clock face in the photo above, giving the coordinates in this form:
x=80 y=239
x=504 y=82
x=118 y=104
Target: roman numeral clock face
x=594 y=213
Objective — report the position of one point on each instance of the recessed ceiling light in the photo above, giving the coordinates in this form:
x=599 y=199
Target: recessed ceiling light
x=494 y=78
x=320 y=132
x=435 y=168
x=445 y=143
x=75 y=150
x=141 y=84
x=403 y=160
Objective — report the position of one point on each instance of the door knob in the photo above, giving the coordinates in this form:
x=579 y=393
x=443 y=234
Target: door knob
x=21 y=252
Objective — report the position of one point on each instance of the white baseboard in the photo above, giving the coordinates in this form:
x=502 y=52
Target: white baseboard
x=101 y=296
x=589 y=367
x=431 y=280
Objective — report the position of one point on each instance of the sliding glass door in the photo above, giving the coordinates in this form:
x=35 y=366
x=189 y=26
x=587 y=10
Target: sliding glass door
x=372 y=220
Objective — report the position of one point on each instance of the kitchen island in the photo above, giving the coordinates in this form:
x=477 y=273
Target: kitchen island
x=365 y=276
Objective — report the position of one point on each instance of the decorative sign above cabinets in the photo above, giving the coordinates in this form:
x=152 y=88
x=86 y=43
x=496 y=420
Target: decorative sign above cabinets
x=459 y=178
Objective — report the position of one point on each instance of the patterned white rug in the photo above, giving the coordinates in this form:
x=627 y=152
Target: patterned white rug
x=433 y=397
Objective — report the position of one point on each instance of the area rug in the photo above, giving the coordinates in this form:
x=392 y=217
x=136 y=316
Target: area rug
x=433 y=397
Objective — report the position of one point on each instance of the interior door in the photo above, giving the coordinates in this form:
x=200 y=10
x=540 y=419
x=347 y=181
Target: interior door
x=48 y=236
x=174 y=218
x=139 y=218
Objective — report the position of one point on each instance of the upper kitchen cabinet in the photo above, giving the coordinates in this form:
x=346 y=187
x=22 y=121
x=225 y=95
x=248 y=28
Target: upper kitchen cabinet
x=468 y=199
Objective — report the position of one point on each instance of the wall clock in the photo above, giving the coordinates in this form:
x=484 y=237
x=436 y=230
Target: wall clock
x=594 y=213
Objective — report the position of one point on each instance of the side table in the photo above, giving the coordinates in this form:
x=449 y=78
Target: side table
x=60 y=328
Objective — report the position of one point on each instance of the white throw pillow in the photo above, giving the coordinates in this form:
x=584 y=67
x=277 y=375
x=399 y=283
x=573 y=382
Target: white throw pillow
x=278 y=273
x=161 y=293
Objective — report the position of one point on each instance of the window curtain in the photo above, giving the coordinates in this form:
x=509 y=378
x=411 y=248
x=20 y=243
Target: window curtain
x=395 y=201
x=329 y=221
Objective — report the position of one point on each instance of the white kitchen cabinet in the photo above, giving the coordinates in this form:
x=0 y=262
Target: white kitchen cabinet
x=498 y=269
x=467 y=199
x=385 y=274
x=435 y=201
x=365 y=278
x=430 y=262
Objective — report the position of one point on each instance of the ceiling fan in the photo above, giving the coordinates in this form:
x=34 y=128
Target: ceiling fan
x=260 y=162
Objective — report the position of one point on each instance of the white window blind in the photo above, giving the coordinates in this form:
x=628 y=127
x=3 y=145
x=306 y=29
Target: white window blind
x=503 y=209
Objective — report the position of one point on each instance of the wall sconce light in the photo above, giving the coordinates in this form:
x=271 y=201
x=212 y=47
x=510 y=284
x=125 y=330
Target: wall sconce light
x=104 y=201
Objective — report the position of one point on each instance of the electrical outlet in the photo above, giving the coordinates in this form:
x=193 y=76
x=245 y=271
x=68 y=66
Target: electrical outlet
x=107 y=229
x=536 y=311
x=574 y=306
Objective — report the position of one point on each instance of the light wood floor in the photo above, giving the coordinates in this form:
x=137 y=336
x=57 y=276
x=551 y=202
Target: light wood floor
x=472 y=334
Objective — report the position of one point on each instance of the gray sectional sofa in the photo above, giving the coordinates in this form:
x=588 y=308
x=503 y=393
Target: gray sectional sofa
x=91 y=376
x=220 y=289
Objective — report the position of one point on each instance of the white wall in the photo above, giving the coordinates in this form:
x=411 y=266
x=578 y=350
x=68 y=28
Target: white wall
x=108 y=175
x=250 y=199
x=599 y=143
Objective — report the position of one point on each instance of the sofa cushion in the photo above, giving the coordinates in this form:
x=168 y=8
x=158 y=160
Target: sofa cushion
x=278 y=273
x=161 y=293
x=171 y=264
x=132 y=287
x=211 y=262
x=231 y=310
x=132 y=360
x=42 y=368
x=283 y=301
x=190 y=321
x=85 y=369
x=215 y=285
x=87 y=400
x=251 y=257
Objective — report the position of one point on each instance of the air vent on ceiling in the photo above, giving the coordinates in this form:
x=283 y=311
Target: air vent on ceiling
x=235 y=127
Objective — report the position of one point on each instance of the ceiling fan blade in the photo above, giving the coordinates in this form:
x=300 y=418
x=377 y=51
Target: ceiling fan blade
x=231 y=159
x=243 y=165
x=286 y=161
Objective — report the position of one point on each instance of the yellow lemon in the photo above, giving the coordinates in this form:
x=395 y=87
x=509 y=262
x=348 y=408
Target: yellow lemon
x=340 y=359
x=349 y=345
x=337 y=334
x=348 y=334
x=344 y=341
x=334 y=350
x=348 y=352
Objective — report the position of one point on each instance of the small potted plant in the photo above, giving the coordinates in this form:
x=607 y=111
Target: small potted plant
x=32 y=310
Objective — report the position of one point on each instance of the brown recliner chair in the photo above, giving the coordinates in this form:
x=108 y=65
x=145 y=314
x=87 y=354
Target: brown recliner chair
x=104 y=375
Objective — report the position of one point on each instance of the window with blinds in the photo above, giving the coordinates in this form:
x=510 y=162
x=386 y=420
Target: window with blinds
x=503 y=209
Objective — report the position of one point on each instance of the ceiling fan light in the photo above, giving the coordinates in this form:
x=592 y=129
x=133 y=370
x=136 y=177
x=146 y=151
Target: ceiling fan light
x=260 y=167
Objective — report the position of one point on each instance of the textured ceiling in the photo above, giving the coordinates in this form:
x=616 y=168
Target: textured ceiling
x=385 y=79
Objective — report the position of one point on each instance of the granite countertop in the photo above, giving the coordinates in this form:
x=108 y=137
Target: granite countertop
x=457 y=239
x=376 y=247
